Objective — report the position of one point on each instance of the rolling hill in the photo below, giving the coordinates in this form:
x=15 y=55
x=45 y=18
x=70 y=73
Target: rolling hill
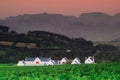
x=114 y=42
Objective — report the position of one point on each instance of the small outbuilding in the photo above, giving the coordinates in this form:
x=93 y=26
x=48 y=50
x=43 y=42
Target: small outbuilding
x=21 y=63
x=76 y=61
x=90 y=60
x=64 y=60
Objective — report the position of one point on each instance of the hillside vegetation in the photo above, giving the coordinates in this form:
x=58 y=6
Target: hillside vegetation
x=104 y=71
x=114 y=42
x=14 y=47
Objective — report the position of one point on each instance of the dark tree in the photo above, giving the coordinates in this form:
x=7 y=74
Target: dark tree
x=4 y=28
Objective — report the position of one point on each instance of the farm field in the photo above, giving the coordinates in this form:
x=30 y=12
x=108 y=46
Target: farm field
x=101 y=71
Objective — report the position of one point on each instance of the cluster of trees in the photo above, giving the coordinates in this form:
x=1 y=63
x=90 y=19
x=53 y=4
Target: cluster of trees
x=4 y=28
x=108 y=53
x=51 y=45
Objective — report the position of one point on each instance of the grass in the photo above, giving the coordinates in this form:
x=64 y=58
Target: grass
x=101 y=71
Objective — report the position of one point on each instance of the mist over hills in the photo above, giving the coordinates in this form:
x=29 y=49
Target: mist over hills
x=92 y=26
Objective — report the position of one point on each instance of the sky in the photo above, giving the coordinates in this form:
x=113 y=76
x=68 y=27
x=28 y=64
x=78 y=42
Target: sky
x=65 y=7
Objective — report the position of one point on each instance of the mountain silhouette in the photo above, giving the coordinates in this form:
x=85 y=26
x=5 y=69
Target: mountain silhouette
x=94 y=26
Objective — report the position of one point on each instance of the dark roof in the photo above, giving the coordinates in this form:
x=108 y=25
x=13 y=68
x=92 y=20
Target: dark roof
x=45 y=59
x=33 y=58
x=30 y=58
x=57 y=61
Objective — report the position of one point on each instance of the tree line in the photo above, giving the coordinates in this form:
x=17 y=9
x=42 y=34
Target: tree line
x=52 y=45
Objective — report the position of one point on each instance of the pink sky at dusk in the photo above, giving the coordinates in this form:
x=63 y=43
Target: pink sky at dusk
x=66 y=7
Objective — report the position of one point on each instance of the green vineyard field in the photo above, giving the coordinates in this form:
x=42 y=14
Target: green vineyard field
x=101 y=71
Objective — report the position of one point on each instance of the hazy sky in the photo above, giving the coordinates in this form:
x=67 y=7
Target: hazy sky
x=66 y=7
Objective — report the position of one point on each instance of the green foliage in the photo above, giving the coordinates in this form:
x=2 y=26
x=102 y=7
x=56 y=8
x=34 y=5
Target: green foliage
x=103 y=71
x=107 y=53
x=105 y=47
x=4 y=28
x=46 y=44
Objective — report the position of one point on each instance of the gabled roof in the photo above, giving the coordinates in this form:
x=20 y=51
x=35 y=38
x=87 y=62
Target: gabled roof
x=45 y=59
x=65 y=58
x=57 y=61
x=30 y=58
x=33 y=58
x=77 y=59
x=91 y=58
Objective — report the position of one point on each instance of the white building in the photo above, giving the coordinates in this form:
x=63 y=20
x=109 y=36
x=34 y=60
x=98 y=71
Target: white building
x=90 y=60
x=36 y=61
x=63 y=60
x=21 y=63
x=76 y=61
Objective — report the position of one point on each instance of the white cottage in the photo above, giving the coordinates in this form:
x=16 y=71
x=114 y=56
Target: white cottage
x=21 y=63
x=76 y=61
x=36 y=61
x=63 y=60
x=90 y=60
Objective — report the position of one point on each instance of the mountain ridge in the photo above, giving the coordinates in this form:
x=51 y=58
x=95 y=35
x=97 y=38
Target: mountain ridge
x=94 y=26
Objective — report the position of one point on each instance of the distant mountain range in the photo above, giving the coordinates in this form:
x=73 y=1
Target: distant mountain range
x=92 y=26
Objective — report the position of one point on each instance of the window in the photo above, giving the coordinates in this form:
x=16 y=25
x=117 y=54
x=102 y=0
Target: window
x=63 y=62
x=37 y=62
